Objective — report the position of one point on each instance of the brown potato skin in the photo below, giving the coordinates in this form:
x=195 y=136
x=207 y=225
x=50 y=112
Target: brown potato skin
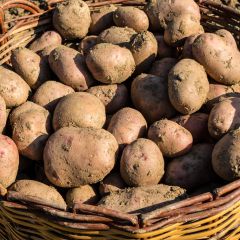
x=3 y=114
x=9 y=158
x=114 y=96
x=49 y=94
x=13 y=88
x=191 y=170
x=97 y=152
x=142 y=163
x=109 y=63
x=149 y=95
x=172 y=139
x=164 y=51
x=127 y=125
x=79 y=110
x=188 y=86
x=69 y=65
x=87 y=43
x=132 y=17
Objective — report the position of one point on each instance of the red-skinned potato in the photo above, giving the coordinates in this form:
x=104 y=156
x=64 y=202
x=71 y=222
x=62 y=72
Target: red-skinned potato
x=164 y=51
x=87 y=43
x=187 y=47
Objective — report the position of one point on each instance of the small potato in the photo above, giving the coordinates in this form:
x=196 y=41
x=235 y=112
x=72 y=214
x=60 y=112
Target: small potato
x=69 y=65
x=110 y=64
x=142 y=163
x=49 y=94
x=172 y=139
x=164 y=51
x=131 y=17
x=79 y=110
x=144 y=49
x=149 y=95
x=187 y=47
x=162 y=67
x=114 y=96
x=112 y=183
x=72 y=19
x=191 y=170
x=39 y=192
x=3 y=114
x=188 y=86
x=83 y=194
x=13 y=88
x=224 y=116
x=30 y=67
x=89 y=155
x=127 y=125
x=47 y=39
x=102 y=19
x=87 y=43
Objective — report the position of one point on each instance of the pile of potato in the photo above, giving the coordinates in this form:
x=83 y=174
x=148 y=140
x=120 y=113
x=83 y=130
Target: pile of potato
x=121 y=107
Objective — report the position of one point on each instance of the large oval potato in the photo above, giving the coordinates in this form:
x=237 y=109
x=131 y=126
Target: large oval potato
x=188 y=86
x=79 y=110
x=89 y=155
x=172 y=139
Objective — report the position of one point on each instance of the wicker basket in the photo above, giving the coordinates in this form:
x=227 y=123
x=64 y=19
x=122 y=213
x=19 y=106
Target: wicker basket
x=213 y=215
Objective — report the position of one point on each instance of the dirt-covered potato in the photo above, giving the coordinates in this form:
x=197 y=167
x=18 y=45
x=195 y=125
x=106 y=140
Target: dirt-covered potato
x=9 y=159
x=187 y=47
x=13 y=88
x=109 y=63
x=83 y=194
x=49 y=94
x=89 y=155
x=149 y=95
x=69 y=65
x=144 y=49
x=188 y=86
x=172 y=139
x=102 y=19
x=39 y=192
x=132 y=17
x=112 y=183
x=44 y=54
x=142 y=163
x=127 y=125
x=79 y=110
x=219 y=57
x=224 y=116
x=164 y=51
x=87 y=43
x=49 y=38
x=225 y=156
x=3 y=114
x=72 y=19
x=191 y=170
x=114 y=96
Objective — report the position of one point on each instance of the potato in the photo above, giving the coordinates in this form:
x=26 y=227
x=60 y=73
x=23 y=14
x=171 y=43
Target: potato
x=3 y=114
x=102 y=19
x=187 y=47
x=83 y=194
x=144 y=49
x=127 y=125
x=162 y=67
x=143 y=199
x=224 y=116
x=9 y=158
x=219 y=57
x=196 y=124
x=172 y=139
x=117 y=35
x=149 y=95
x=13 y=88
x=187 y=86
x=44 y=54
x=191 y=170
x=69 y=65
x=49 y=38
x=39 y=192
x=77 y=25
x=142 y=163
x=225 y=156
x=89 y=155
x=30 y=67
x=114 y=96
x=112 y=183
x=49 y=94
x=87 y=43
x=110 y=64
x=79 y=110
x=132 y=17
x=164 y=51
